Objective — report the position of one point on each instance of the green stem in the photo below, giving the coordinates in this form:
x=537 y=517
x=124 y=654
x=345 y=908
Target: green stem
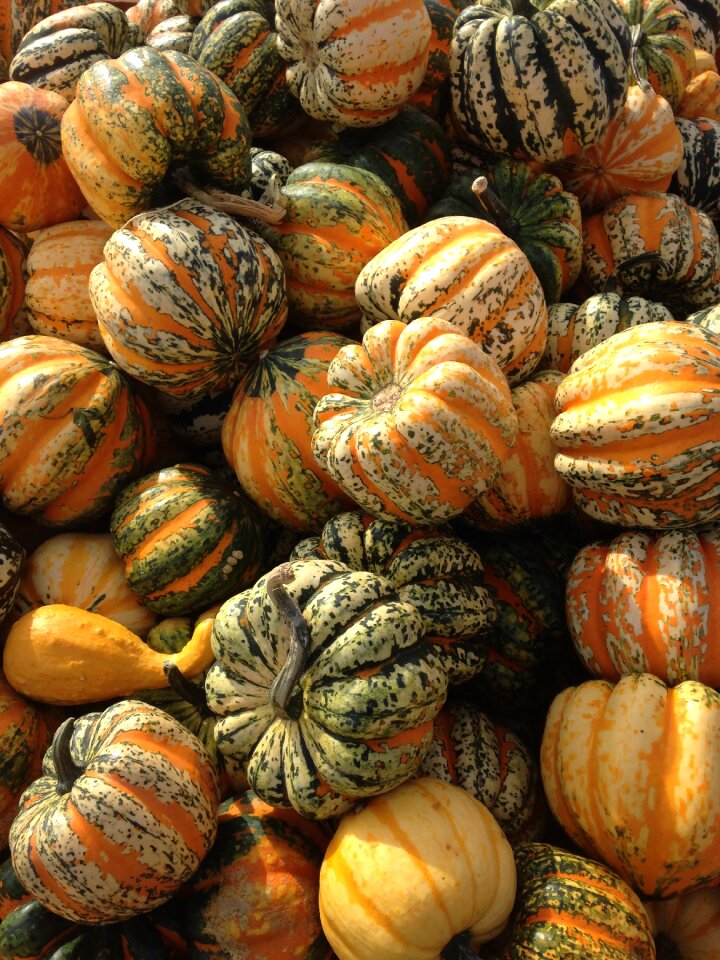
x=637 y=38
x=459 y=948
x=493 y=207
x=192 y=693
x=66 y=769
x=284 y=683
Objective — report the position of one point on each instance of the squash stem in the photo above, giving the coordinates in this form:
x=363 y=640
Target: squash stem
x=192 y=693
x=637 y=37
x=65 y=767
x=284 y=683
x=459 y=948
x=493 y=207
x=270 y=208
x=614 y=279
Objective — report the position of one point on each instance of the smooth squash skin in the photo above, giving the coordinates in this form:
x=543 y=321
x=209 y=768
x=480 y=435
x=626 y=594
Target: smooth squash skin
x=64 y=655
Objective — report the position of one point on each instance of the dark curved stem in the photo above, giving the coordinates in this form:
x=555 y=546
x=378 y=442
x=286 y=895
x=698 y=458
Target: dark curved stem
x=459 y=948
x=284 y=683
x=614 y=279
x=637 y=36
x=192 y=693
x=493 y=207
x=65 y=767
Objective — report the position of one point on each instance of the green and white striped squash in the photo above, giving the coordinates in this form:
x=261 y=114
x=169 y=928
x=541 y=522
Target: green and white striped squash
x=12 y=555
x=430 y=567
x=187 y=539
x=175 y=33
x=538 y=81
x=265 y=165
x=332 y=704
x=697 y=179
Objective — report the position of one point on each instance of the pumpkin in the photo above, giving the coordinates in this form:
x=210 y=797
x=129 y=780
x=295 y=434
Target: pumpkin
x=55 y=53
x=630 y=772
x=186 y=538
x=490 y=762
x=337 y=218
x=433 y=94
x=124 y=813
x=686 y=276
x=12 y=555
x=701 y=97
x=236 y=40
x=186 y=297
x=636 y=418
x=638 y=151
x=120 y=135
x=410 y=153
x=266 y=434
x=467 y=271
x=73 y=430
x=38 y=188
x=663 y=45
x=12 y=280
x=256 y=893
x=175 y=33
x=570 y=906
x=538 y=82
x=645 y=602
x=325 y=684
x=65 y=655
x=412 y=871
x=422 y=425
x=688 y=926
x=697 y=179
x=430 y=567
x=528 y=486
x=18 y=16
x=357 y=64
x=82 y=570
x=148 y=14
x=59 y=264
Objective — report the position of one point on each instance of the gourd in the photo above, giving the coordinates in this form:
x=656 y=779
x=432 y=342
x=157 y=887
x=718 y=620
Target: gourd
x=687 y=926
x=123 y=815
x=12 y=556
x=18 y=16
x=65 y=655
x=13 y=251
x=697 y=179
x=175 y=33
x=701 y=97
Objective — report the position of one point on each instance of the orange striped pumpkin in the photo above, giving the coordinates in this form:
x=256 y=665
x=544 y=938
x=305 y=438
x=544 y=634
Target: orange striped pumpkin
x=147 y=14
x=701 y=97
x=124 y=814
x=688 y=926
x=422 y=425
x=354 y=64
x=58 y=267
x=13 y=251
x=636 y=426
x=186 y=298
x=648 y=603
x=631 y=772
x=38 y=189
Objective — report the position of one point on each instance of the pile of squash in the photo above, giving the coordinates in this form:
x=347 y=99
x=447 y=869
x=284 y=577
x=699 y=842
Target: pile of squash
x=360 y=479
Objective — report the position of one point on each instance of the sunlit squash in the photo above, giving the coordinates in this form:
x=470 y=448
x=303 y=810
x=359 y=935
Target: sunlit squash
x=18 y=16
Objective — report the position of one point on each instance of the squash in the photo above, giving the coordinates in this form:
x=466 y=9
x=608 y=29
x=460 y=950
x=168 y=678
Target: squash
x=73 y=431
x=467 y=271
x=355 y=64
x=688 y=926
x=701 y=97
x=13 y=251
x=704 y=17
x=630 y=772
x=38 y=188
x=186 y=539
x=18 y=16
x=123 y=815
x=58 y=269
x=266 y=164
x=575 y=55
x=266 y=434
x=82 y=570
x=65 y=655
x=433 y=94
x=121 y=135
x=175 y=33
x=663 y=45
x=256 y=893
x=148 y=14
x=697 y=179
x=422 y=425
x=325 y=684
x=645 y=603
x=412 y=871
x=184 y=313
x=55 y=53
x=12 y=555
x=636 y=418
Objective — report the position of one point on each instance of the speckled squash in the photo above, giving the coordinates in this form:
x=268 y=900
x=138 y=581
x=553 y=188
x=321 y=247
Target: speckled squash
x=236 y=39
x=630 y=772
x=186 y=538
x=430 y=567
x=467 y=271
x=433 y=94
x=266 y=435
x=59 y=49
x=187 y=297
x=337 y=218
x=175 y=33
x=575 y=55
x=136 y=115
x=350 y=718
x=19 y=16
x=58 y=269
x=148 y=14
x=528 y=487
x=701 y=97
x=646 y=603
x=12 y=556
x=688 y=926
x=12 y=893
x=73 y=430
x=38 y=188
x=357 y=63
x=82 y=570
x=124 y=813
x=687 y=275
x=489 y=761
x=422 y=425
x=569 y=906
x=256 y=894
x=13 y=251
x=638 y=151
x=663 y=45
x=697 y=179
x=266 y=164
x=704 y=17
x=639 y=458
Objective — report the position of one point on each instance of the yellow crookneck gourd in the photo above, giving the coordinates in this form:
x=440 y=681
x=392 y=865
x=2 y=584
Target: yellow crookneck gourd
x=65 y=655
